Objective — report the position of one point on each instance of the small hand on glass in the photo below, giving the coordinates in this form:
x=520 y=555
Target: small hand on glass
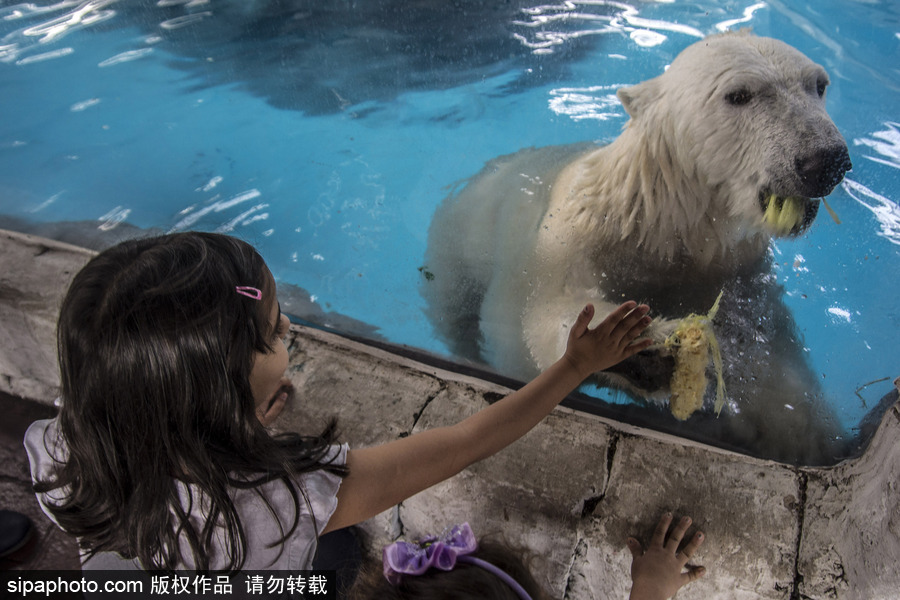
x=613 y=340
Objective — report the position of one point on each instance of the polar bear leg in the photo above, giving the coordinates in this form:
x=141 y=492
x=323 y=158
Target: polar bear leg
x=482 y=236
x=547 y=321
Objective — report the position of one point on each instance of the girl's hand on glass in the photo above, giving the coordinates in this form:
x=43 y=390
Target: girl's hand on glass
x=610 y=342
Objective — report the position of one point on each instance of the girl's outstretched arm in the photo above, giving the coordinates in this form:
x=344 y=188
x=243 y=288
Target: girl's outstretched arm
x=382 y=476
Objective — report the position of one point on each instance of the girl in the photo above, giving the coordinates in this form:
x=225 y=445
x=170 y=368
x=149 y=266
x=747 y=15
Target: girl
x=171 y=364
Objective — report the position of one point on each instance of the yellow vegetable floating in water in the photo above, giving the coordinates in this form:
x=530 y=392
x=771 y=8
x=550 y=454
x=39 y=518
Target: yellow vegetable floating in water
x=691 y=342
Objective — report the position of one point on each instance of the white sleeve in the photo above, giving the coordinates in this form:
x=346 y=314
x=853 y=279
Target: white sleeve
x=45 y=451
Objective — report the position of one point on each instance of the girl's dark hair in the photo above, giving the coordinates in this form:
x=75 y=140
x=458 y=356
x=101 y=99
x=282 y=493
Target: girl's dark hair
x=155 y=353
x=464 y=582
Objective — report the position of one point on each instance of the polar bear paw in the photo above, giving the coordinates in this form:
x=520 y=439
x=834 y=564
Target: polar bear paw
x=647 y=373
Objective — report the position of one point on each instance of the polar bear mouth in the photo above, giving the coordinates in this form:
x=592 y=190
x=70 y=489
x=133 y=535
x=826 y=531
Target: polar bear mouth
x=787 y=215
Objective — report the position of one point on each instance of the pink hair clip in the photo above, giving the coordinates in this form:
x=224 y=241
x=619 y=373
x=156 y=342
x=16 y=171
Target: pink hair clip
x=250 y=292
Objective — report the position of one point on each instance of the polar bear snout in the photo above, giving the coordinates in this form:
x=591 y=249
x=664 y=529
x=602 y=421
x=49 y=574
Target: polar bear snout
x=820 y=171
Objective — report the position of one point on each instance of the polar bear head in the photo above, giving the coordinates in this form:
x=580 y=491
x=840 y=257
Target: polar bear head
x=744 y=117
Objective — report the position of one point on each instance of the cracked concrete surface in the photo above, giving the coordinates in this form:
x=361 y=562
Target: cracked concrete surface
x=571 y=490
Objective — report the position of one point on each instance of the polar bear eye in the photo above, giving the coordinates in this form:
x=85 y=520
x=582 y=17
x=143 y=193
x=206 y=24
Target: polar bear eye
x=821 y=84
x=739 y=97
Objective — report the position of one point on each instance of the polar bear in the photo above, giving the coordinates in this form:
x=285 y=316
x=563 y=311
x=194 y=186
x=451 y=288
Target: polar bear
x=727 y=148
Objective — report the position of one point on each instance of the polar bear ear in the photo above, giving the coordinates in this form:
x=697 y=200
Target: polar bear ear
x=638 y=97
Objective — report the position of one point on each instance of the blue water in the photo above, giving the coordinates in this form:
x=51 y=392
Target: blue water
x=328 y=135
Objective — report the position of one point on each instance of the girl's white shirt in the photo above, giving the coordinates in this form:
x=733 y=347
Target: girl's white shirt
x=46 y=448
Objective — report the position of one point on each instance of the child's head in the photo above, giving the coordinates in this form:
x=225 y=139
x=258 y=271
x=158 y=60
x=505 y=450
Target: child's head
x=166 y=347
x=154 y=333
x=450 y=567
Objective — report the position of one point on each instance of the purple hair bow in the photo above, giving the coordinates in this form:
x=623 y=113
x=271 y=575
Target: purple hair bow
x=442 y=552
x=407 y=558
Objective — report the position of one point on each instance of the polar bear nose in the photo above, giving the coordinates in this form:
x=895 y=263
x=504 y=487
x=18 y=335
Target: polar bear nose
x=820 y=171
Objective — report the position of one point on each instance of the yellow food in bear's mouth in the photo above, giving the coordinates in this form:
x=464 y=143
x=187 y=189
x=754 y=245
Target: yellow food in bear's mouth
x=692 y=341
x=783 y=215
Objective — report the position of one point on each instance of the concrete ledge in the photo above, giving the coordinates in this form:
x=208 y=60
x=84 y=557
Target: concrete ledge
x=34 y=276
x=571 y=490
x=850 y=544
